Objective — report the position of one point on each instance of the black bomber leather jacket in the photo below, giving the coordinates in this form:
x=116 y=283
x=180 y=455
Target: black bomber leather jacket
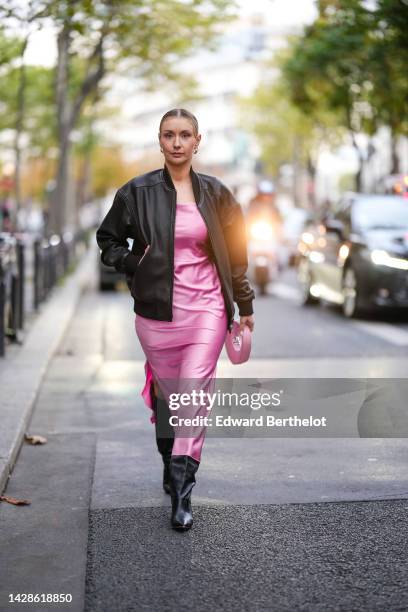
x=144 y=209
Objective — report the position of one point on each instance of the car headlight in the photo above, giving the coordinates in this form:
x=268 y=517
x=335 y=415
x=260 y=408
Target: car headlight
x=382 y=258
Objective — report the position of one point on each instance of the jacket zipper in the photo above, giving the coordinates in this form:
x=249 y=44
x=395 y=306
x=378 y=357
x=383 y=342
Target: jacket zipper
x=144 y=254
x=230 y=315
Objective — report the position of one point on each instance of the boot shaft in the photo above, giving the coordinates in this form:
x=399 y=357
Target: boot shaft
x=182 y=475
x=182 y=479
x=164 y=431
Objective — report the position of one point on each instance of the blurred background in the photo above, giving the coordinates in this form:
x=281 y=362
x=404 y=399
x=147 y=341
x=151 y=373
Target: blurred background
x=299 y=104
x=311 y=95
x=302 y=107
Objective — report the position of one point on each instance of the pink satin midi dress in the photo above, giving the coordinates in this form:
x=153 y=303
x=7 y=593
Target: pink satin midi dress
x=187 y=348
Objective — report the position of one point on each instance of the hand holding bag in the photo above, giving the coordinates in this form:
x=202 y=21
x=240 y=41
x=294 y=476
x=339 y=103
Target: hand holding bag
x=238 y=346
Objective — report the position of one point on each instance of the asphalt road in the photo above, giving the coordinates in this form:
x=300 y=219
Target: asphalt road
x=280 y=523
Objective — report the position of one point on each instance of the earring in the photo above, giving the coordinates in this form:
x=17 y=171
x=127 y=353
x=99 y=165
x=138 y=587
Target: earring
x=161 y=149
x=195 y=150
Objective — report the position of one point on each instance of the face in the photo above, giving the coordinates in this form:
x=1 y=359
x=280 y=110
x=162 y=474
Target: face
x=178 y=141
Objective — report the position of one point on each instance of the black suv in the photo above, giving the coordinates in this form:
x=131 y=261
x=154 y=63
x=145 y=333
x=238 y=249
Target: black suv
x=357 y=256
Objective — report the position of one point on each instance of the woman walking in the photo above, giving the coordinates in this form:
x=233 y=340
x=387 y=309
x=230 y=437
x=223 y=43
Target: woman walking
x=186 y=268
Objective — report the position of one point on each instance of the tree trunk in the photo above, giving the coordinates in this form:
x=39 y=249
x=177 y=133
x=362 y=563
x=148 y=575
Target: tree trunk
x=359 y=174
x=59 y=197
x=18 y=131
x=63 y=209
x=296 y=170
x=395 y=165
x=311 y=170
x=84 y=180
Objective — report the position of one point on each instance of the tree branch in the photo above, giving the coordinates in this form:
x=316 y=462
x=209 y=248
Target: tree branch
x=91 y=79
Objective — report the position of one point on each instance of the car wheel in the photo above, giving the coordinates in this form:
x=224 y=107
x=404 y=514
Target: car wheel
x=305 y=282
x=350 y=306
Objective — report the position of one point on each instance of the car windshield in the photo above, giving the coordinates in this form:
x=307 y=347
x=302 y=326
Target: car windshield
x=381 y=213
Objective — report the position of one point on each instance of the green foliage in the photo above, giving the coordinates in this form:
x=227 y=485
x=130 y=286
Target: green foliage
x=353 y=60
x=346 y=72
x=143 y=40
x=10 y=49
x=39 y=123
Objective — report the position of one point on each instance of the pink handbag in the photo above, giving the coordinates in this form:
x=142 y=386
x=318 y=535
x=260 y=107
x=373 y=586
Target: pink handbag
x=238 y=346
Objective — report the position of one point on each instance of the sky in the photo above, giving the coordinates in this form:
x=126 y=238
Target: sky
x=283 y=14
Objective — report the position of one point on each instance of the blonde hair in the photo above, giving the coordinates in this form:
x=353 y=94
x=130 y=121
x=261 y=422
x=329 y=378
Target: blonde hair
x=180 y=112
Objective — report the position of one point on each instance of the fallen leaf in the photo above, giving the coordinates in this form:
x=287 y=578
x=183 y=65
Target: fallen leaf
x=13 y=500
x=35 y=439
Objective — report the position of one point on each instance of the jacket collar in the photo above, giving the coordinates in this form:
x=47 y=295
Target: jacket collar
x=195 y=182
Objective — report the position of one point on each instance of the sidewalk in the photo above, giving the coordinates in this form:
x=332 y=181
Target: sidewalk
x=23 y=368
x=280 y=525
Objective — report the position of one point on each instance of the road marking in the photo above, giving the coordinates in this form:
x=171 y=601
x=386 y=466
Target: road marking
x=385 y=331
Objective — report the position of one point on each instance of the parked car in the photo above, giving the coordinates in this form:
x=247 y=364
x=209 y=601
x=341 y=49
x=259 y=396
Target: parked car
x=10 y=286
x=357 y=257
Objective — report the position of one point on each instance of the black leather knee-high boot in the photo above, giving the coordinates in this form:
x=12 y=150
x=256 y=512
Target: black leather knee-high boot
x=182 y=480
x=164 y=436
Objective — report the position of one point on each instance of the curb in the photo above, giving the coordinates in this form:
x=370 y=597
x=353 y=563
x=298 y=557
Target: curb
x=21 y=377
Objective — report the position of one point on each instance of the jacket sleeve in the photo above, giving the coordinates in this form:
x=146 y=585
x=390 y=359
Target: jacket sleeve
x=112 y=235
x=233 y=225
